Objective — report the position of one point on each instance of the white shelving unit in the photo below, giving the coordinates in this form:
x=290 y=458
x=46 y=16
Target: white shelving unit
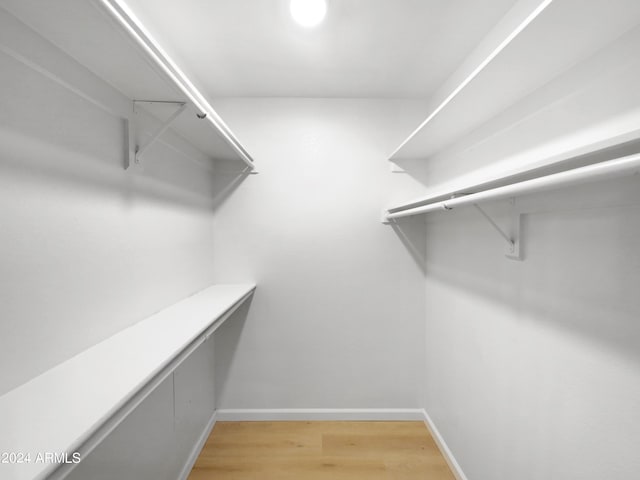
x=104 y=37
x=476 y=194
x=76 y=404
x=531 y=46
x=492 y=178
x=629 y=165
x=529 y=55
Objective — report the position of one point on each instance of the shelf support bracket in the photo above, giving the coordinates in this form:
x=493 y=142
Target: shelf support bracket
x=513 y=240
x=385 y=220
x=130 y=143
x=140 y=149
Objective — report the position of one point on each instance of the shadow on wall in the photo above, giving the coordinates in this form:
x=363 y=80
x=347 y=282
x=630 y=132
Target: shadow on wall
x=228 y=176
x=412 y=233
x=49 y=133
x=226 y=340
x=171 y=179
x=580 y=272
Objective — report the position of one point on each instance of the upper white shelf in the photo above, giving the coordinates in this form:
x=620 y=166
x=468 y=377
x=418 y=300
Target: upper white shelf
x=508 y=173
x=64 y=408
x=105 y=37
x=618 y=167
x=530 y=47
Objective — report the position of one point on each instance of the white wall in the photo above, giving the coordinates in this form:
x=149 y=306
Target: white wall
x=87 y=248
x=336 y=321
x=533 y=367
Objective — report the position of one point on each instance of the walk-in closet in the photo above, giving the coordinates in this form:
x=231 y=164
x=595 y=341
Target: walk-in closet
x=319 y=239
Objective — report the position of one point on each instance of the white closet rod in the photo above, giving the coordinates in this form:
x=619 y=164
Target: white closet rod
x=119 y=10
x=629 y=165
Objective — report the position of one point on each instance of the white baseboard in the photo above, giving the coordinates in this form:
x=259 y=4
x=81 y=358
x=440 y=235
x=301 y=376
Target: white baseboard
x=444 y=449
x=202 y=439
x=329 y=414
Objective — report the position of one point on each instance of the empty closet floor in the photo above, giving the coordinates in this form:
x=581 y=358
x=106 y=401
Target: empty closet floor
x=320 y=450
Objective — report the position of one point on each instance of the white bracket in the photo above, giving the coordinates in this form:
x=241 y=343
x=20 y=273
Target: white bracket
x=130 y=144
x=384 y=219
x=395 y=168
x=138 y=150
x=513 y=250
x=246 y=171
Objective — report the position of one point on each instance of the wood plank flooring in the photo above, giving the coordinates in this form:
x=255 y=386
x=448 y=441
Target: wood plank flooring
x=320 y=450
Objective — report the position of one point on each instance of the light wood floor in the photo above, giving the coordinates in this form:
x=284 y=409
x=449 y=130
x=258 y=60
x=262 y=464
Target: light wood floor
x=320 y=450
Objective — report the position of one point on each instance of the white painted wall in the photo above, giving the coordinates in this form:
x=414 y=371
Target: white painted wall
x=337 y=320
x=87 y=248
x=533 y=367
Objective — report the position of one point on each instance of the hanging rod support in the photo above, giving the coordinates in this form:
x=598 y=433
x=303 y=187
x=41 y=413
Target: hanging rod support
x=139 y=150
x=244 y=171
x=494 y=225
x=200 y=115
x=513 y=240
x=166 y=102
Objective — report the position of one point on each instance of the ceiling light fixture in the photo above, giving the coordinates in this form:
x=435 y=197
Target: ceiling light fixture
x=308 y=13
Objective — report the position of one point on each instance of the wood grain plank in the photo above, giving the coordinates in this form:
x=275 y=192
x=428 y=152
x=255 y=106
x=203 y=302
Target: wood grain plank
x=320 y=451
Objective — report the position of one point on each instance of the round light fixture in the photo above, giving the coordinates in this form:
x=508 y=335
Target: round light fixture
x=308 y=13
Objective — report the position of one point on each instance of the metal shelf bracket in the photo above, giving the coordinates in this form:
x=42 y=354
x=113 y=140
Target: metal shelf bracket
x=513 y=237
x=135 y=157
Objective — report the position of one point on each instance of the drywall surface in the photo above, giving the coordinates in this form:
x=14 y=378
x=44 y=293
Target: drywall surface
x=87 y=248
x=533 y=367
x=337 y=320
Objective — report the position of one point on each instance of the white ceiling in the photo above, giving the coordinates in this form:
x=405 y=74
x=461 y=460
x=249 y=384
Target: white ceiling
x=364 y=48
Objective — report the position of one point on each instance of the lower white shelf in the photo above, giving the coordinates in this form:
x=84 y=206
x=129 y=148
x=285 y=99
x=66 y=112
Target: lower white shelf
x=73 y=406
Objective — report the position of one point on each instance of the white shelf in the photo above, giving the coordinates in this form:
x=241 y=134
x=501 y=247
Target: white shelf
x=510 y=171
x=522 y=54
x=627 y=165
x=88 y=32
x=75 y=404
